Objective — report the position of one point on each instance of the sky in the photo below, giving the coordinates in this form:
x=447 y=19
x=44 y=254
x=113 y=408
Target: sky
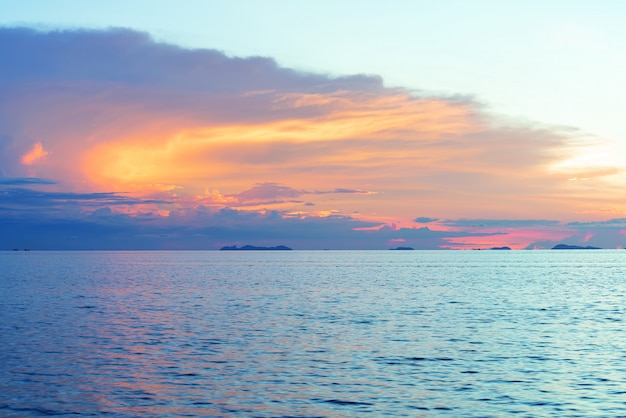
x=316 y=125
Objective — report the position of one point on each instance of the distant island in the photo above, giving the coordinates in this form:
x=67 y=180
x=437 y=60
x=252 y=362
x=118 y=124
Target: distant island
x=253 y=248
x=501 y=248
x=574 y=247
x=402 y=249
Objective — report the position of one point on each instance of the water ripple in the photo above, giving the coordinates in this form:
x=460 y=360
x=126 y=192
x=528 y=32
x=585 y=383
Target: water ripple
x=313 y=334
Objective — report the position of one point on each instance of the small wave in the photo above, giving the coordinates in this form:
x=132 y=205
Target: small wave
x=38 y=411
x=429 y=359
x=341 y=402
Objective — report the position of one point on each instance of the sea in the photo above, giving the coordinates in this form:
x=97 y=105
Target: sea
x=313 y=333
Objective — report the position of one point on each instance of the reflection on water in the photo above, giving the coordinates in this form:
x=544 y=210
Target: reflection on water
x=529 y=333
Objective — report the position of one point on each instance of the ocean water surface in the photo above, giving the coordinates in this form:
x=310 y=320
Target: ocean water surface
x=313 y=333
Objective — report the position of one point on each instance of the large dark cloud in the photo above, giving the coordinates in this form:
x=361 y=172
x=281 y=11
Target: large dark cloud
x=203 y=228
x=95 y=55
x=74 y=92
x=73 y=89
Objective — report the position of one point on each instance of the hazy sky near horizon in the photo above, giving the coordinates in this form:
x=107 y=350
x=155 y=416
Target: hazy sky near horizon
x=323 y=124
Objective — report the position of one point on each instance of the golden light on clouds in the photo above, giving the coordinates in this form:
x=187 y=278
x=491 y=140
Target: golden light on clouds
x=36 y=153
x=176 y=136
x=438 y=155
x=195 y=154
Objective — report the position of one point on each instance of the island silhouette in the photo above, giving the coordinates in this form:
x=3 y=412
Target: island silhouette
x=254 y=248
x=574 y=247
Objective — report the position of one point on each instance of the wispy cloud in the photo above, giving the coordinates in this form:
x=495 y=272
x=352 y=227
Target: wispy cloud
x=264 y=193
x=19 y=197
x=425 y=220
x=500 y=223
x=18 y=181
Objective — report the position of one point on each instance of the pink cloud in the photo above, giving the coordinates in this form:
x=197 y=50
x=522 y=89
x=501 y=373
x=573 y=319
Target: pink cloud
x=123 y=113
x=36 y=153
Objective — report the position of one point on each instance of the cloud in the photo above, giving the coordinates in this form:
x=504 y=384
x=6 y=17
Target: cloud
x=514 y=233
x=425 y=220
x=26 y=198
x=500 y=223
x=273 y=193
x=610 y=223
x=342 y=191
x=155 y=132
x=25 y=181
x=35 y=154
x=267 y=191
x=81 y=55
x=206 y=228
x=605 y=234
x=535 y=233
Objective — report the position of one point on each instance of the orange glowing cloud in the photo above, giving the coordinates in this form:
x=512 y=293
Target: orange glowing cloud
x=194 y=130
x=196 y=155
x=444 y=154
x=36 y=153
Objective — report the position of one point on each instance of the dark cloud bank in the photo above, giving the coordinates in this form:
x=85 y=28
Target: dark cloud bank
x=51 y=220
x=81 y=221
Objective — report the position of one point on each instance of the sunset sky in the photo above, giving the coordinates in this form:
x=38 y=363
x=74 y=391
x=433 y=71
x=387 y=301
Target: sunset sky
x=326 y=124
